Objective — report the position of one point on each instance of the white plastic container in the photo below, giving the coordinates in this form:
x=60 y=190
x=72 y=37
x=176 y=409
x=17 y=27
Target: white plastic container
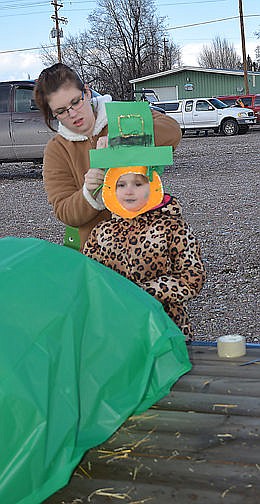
x=231 y=346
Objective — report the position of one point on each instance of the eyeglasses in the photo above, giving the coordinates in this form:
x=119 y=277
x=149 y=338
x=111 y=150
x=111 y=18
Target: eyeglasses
x=75 y=105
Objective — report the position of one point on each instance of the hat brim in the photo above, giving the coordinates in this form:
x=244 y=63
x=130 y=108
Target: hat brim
x=130 y=156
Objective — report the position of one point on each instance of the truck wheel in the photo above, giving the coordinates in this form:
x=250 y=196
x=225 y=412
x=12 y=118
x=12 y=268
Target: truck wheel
x=229 y=127
x=243 y=129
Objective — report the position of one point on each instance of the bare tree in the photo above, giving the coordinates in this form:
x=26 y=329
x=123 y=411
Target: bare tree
x=219 y=54
x=126 y=40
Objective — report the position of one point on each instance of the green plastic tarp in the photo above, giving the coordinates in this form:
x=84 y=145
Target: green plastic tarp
x=82 y=349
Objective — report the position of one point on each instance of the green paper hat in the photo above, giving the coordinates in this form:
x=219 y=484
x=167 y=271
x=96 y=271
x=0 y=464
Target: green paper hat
x=131 y=140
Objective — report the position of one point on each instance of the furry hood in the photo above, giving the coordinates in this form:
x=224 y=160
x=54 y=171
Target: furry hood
x=101 y=120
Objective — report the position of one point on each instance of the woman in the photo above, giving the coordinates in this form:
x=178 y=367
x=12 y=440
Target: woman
x=68 y=179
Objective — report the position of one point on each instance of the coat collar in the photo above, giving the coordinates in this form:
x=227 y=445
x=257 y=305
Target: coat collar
x=101 y=120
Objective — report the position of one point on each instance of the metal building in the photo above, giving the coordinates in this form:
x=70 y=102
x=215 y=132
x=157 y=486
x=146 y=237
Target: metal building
x=197 y=82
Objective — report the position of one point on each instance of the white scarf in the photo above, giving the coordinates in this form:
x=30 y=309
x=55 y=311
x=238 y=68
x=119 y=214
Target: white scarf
x=101 y=120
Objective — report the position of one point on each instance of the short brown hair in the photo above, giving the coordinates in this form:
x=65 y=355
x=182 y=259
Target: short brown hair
x=49 y=81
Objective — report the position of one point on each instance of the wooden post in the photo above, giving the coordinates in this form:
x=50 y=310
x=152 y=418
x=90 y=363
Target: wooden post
x=243 y=46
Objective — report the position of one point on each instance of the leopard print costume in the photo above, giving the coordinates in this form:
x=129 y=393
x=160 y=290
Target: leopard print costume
x=156 y=250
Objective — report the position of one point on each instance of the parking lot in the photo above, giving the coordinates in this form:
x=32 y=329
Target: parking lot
x=216 y=179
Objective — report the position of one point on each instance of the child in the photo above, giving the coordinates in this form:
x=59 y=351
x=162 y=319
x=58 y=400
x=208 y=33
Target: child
x=155 y=249
x=146 y=239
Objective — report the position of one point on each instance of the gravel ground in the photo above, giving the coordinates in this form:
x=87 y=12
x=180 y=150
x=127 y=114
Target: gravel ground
x=215 y=179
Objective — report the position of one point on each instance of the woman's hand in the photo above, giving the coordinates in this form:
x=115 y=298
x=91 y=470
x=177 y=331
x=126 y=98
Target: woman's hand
x=94 y=179
x=95 y=176
x=102 y=142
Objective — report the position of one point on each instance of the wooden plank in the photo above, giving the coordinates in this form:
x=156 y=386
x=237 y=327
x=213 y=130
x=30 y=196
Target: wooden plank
x=177 y=472
x=83 y=491
x=203 y=353
x=205 y=362
x=218 y=385
x=229 y=370
x=192 y=423
x=210 y=403
x=212 y=445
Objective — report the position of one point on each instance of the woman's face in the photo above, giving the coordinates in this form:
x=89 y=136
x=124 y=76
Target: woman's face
x=132 y=191
x=80 y=119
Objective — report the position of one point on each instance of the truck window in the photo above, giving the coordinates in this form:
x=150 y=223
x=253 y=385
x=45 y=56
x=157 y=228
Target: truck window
x=228 y=101
x=4 y=98
x=24 y=101
x=257 y=100
x=219 y=104
x=247 y=101
x=188 y=106
x=169 y=107
x=203 y=105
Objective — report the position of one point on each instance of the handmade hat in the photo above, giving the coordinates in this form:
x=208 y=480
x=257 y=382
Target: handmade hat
x=130 y=149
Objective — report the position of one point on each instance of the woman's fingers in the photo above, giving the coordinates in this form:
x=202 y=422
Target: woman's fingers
x=102 y=142
x=94 y=178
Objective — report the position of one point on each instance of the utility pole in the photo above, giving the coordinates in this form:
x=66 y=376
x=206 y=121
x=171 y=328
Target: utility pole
x=243 y=46
x=56 y=32
x=164 y=54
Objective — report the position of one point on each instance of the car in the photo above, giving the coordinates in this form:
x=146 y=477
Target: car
x=250 y=101
x=23 y=132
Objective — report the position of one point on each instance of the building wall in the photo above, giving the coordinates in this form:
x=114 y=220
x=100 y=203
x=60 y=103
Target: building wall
x=194 y=84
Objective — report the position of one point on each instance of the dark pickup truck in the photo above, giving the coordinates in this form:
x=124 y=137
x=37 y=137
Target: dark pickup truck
x=23 y=133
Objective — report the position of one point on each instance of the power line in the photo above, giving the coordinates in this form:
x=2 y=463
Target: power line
x=25 y=14
x=208 y=22
x=41 y=12
x=27 y=49
x=24 y=6
x=191 y=3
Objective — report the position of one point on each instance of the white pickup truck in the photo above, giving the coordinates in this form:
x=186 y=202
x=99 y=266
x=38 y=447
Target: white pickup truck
x=209 y=113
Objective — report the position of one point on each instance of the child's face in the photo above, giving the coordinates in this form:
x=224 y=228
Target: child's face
x=132 y=191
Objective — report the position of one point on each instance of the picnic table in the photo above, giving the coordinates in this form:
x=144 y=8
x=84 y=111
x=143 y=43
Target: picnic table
x=199 y=444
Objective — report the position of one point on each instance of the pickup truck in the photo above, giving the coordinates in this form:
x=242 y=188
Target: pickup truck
x=23 y=133
x=251 y=101
x=209 y=113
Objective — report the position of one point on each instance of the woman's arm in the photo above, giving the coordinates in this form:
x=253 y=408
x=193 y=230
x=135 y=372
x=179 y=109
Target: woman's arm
x=63 y=174
x=166 y=130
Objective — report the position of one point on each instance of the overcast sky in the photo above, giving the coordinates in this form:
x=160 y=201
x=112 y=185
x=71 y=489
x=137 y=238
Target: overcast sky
x=27 y=24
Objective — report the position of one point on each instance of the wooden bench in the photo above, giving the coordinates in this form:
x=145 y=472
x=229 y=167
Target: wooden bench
x=200 y=444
